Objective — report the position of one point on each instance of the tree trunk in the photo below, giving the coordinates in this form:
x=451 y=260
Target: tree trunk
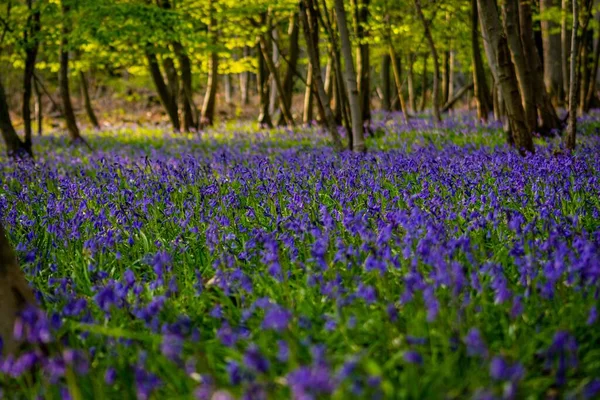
x=570 y=137
x=190 y=112
x=436 y=64
x=510 y=11
x=398 y=80
x=361 y=17
x=424 y=84
x=500 y=59
x=412 y=99
x=162 y=89
x=552 y=54
x=352 y=87
x=584 y=65
x=309 y=27
x=292 y=64
x=308 y=96
x=14 y=146
x=38 y=108
x=87 y=101
x=550 y=122
x=591 y=89
x=15 y=294
x=385 y=82
x=446 y=78
x=275 y=75
x=480 y=86
x=461 y=92
x=210 y=97
x=31 y=41
x=565 y=48
x=245 y=80
x=63 y=78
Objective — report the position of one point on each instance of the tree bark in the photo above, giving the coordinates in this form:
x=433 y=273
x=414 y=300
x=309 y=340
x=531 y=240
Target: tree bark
x=591 y=89
x=292 y=65
x=309 y=26
x=499 y=57
x=570 y=137
x=190 y=112
x=352 y=87
x=15 y=294
x=398 y=80
x=89 y=110
x=363 y=79
x=308 y=97
x=461 y=92
x=31 y=41
x=38 y=108
x=210 y=97
x=385 y=82
x=412 y=99
x=510 y=11
x=550 y=122
x=162 y=89
x=552 y=54
x=446 y=78
x=565 y=48
x=245 y=80
x=14 y=146
x=436 y=64
x=275 y=75
x=63 y=78
x=424 y=84
x=480 y=86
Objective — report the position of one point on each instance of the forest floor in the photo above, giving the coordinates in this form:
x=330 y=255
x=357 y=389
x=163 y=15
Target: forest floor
x=440 y=264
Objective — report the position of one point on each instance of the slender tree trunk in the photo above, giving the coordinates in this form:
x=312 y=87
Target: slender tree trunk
x=424 y=84
x=352 y=87
x=506 y=77
x=591 y=89
x=63 y=78
x=210 y=97
x=31 y=41
x=482 y=93
x=15 y=294
x=292 y=65
x=436 y=64
x=386 y=61
x=584 y=65
x=549 y=119
x=552 y=54
x=565 y=47
x=510 y=11
x=245 y=80
x=308 y=97
x=190 y=112
x=570 y=137
x=309 y=27
x=398 y=80
x=275 y=75
x=162 y=89
x=363 y=79
x=89 y=110
x=412 y=99
x=446 y=78
x=38 y=108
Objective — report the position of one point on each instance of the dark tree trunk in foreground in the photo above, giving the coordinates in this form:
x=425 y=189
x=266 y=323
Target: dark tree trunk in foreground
x=264 y=117
x=500 y=62
x=436 y=64
x=15 y=294
x=481 y=89
x=292 y=65
x=358 y=140
x=565 y=48
x=190 y=113
x=570 y=137
x=63 y=79
x=89 y=110
x=309 y=26
x=31 y=41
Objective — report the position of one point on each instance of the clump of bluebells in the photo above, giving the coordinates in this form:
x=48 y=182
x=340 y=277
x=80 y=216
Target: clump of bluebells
x=237 y=265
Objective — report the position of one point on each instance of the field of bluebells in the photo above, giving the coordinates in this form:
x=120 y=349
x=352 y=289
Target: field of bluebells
x=235 y=264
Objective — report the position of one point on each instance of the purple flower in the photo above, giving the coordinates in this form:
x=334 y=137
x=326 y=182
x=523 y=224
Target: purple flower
x=276 y=318
x=413 y=357
x=254 y=360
